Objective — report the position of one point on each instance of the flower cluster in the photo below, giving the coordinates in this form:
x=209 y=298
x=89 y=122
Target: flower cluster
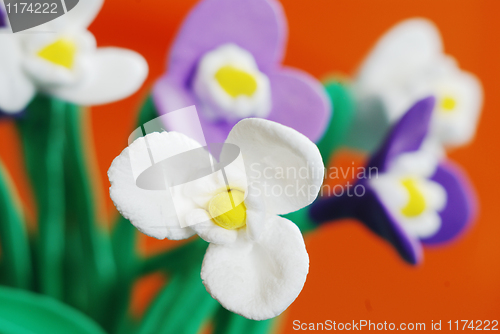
x=225 y=60
x=65 y=63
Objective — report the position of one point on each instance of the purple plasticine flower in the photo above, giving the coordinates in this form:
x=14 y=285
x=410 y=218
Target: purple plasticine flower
x=226 y=61
x=409 y=196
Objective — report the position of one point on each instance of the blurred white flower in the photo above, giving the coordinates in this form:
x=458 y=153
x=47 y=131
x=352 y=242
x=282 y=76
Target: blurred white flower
x=256 y=263
x=60 y=58
x=408 y=64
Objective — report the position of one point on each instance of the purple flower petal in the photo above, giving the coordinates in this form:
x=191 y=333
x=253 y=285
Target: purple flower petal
x=3 y=19
x=169 y=96
x=369 y=210
x=406 y=136
x=255 y=25
x=460 y=205
x=300 y=102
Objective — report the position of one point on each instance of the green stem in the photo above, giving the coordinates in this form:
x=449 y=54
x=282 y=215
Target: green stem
x=341 y=121
x=16 y=257
x=127 y=264
x=99 y=269
x=227 y=322
x=42 y=132
x=184 y=256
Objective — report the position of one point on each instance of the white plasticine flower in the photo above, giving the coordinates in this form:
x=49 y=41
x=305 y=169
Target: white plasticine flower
x=61 y=59
x=256 y=263
x=408 y=64
x=228 y=81
x=412 y=198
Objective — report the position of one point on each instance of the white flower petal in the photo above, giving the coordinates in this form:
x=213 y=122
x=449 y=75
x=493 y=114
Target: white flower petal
x=256 y=214
x=282 y=163
x=457 y=127
x=47 y=74
x=112 y=74
x=435 y=194
x=157 y=213
x=201 y=222
x=217 y=99
x=16 y=89
x=423 y=226
x=401 y=53
x=258 y=280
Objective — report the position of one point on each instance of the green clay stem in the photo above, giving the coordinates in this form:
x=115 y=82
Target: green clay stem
x=343 y=115
x=158 y=310
x=148 y=112
x=184 y=256
x=16 y=256
x=127 y=264
x=226 y=322
x=42 y=134
x=99 y=268
x=193 y=307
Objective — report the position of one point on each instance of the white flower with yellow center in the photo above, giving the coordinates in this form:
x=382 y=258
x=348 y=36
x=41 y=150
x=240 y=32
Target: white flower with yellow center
x=60 y=58
x=256 y=263
x=228 y=82
x=409 y=194
x=408 y=64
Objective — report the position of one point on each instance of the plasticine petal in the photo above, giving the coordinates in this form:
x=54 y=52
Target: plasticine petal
x=258 y=280
x=113 y=74
x=300 y=102
x=153 y=212
x=460 y=209
x=257 y=26
x=284 y=164
x=406 y=136
x=169 y=96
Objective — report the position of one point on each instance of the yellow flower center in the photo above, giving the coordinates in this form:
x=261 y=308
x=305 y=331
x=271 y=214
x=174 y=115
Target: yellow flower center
x=61 y=52
x=228 y=209
x=416 y=203
x=448 y=104
x=236 y=82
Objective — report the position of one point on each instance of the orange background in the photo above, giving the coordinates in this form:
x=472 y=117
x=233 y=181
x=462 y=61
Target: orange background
x=353 y=275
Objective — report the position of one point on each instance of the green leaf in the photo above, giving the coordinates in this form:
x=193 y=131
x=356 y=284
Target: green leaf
x=25 y=312
x=42 y=135
x=16 y=257
x=340 y=123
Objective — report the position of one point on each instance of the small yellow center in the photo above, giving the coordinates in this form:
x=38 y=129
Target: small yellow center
x=228 y=209
x=416 y=203
x=448 y=104
x=61 y=52
x=236 y=82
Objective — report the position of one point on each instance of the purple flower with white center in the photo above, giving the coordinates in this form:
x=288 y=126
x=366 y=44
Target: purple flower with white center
x=413 y=198
x=226 y=61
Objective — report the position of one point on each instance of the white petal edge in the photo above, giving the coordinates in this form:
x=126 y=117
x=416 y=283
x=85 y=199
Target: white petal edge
x=403 y=51
x=269 y=148
x=149 y=210
x=113 y=74
x=258 y=280
x=458 y=127
x=16 y=88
